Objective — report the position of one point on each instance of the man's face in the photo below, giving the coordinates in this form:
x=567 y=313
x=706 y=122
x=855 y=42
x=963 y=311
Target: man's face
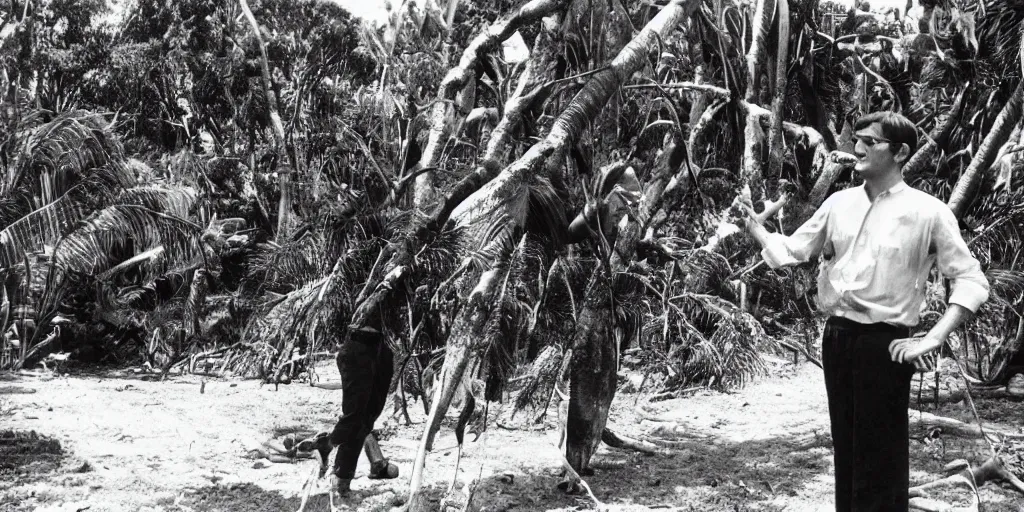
x=876 y=155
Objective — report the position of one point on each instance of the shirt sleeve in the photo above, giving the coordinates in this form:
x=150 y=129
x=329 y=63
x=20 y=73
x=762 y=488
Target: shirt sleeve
x=955 y=261
x=805 y=243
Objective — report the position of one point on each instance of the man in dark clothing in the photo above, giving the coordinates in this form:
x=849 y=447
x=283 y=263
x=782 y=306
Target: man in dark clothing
x=365 y=363
x=880 y=241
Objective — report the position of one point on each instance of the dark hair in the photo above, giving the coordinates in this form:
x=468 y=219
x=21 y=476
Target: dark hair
x=895 y=127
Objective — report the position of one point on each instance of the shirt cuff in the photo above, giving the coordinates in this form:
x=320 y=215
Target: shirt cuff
x=775 y=252
x=968 y=294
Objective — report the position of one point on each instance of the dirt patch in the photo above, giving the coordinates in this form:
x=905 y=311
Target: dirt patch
x=182 y=445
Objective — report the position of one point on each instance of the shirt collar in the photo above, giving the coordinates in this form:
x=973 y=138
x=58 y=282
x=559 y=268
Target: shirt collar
x=900 y=186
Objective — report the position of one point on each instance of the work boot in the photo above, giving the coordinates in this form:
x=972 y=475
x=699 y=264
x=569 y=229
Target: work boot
x=383 y=470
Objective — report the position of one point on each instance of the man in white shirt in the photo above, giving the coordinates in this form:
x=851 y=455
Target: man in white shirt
x=879 y=242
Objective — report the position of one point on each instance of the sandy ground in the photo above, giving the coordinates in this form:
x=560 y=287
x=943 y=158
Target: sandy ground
x=131 y=443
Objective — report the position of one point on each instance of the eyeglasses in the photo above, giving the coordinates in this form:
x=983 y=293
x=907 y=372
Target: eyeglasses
x=869 y=140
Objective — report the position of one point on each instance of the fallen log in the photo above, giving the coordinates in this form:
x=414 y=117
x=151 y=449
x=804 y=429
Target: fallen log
x=926 y=421
x=627 y=443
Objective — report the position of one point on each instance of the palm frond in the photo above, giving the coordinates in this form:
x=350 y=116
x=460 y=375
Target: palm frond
x=42 y=226
x=289 y=265
x=122 y=231
x=719 y=345
x=56 y=156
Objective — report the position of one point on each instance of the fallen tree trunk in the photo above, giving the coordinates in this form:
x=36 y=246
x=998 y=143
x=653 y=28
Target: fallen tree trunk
x=627 y=443
x=926 y=421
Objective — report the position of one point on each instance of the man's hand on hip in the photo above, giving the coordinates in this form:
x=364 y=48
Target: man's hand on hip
x=919 y=351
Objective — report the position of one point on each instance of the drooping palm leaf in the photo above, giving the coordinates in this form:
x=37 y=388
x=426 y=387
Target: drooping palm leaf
x=42 y=226
x=95 y=245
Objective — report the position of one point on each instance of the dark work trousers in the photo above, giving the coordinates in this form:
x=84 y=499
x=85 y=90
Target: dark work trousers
x=365 y=364
x=868 y=397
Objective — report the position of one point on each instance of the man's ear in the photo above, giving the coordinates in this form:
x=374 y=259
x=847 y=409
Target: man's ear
x=903 y=154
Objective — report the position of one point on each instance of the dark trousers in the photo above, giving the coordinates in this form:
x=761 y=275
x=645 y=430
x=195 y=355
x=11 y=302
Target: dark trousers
x=365 y=363
x=868 y=397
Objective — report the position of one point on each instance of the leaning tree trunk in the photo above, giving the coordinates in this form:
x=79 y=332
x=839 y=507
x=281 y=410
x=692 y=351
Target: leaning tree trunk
x=968 y=183
x=466 y=343
x=533 y=88
x=459 y=80
x=936 y=139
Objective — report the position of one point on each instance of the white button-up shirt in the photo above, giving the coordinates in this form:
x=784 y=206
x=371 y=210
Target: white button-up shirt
x=881 y=254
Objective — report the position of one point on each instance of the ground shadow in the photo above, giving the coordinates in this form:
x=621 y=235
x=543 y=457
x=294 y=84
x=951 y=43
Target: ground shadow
x=700 y=475
x=247 y=497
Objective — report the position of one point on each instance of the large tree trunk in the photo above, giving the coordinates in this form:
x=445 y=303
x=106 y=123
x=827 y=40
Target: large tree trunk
x=751 y=172
x=500 y=194
x=593 y=374
x=1001 y=129
x=467 y=341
